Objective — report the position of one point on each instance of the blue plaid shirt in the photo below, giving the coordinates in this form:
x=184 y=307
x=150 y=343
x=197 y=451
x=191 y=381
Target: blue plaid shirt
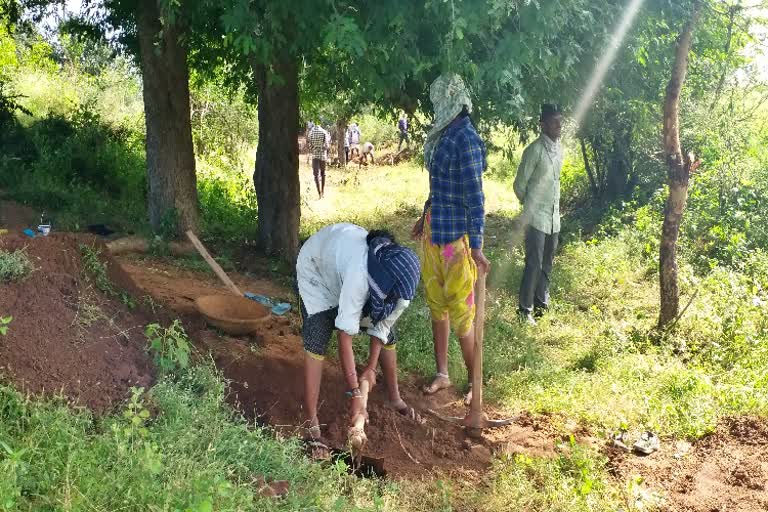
x=456 y=185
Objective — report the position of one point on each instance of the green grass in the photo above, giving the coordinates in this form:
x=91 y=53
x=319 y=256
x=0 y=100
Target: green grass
x=191 y=453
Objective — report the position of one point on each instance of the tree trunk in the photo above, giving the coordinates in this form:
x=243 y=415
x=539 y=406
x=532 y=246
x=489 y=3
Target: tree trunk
x=170 y=152
x=588 y=168
x=276 y=176
x=617 y=173
x=341 y=133
x=678 y=174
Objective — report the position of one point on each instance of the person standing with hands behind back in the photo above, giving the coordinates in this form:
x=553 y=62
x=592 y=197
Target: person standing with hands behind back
x=451 y=227
x=537 y=187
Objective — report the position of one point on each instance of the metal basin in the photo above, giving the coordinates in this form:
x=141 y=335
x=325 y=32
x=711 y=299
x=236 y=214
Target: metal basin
x=232 y=314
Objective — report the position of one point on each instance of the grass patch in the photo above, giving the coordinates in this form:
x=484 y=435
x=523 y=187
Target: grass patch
x=177 y=447
x=15 y=265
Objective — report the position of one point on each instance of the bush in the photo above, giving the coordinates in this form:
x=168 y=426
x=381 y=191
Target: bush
x=14 y=265
x=169 y=346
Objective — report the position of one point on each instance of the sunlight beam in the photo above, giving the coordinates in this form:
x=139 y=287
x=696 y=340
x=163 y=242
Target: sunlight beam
x=630 y=13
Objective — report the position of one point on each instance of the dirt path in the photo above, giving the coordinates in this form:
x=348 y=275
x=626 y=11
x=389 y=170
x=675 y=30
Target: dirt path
x=267 y=383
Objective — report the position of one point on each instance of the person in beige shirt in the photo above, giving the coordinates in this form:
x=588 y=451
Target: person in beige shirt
x=537 y=187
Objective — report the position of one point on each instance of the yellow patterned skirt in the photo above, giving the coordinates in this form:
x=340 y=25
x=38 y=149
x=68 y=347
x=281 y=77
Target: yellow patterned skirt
x=449 y=275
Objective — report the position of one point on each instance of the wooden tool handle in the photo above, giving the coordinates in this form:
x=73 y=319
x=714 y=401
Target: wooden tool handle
x=476 y=406
x=212 y=263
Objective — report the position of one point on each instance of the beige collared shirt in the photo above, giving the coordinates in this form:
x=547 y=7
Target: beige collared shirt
x=537 y=184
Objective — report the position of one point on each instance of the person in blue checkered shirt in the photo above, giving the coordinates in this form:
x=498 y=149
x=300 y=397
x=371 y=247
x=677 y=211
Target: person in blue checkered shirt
x=451 y=227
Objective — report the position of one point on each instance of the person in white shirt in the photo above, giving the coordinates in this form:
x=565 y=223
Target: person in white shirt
x=349 y=278
x=368 y=153
x=354 y=135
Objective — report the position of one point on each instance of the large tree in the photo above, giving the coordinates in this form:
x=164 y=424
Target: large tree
x=172 y=198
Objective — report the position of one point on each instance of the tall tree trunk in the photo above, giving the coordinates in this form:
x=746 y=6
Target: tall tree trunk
x=341 y=135
x=170 y=152
x=276 y=176
x=678 y=175
x=588 y=168
x=617 y=173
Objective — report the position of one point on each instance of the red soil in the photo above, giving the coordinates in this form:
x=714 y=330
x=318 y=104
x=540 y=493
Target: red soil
x=66 y=336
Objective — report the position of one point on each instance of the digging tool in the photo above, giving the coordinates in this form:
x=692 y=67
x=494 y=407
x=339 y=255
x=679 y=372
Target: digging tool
x=277 y=308
x=476 y=421
x=212 y=263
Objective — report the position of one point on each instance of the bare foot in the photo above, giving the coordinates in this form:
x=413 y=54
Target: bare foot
x=468 y=397
x=439 y=382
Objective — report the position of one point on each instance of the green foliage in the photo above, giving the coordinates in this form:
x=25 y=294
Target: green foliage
x=178 y=446
x=4 y=322
x=15 y=265
x=574 y=480
x=169 y=346
x=96 y=269
x=224 y=125
x=380 y=132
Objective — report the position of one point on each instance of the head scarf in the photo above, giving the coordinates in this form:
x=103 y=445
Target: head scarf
x=449 y=95
x=393 y=273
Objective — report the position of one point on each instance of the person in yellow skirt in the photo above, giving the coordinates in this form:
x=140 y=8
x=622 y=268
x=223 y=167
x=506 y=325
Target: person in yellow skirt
x=451 y=227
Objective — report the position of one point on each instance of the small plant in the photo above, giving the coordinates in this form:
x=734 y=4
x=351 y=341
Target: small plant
x=96 y=269
x=4 y=321
x=127 y=300
x=169 y=346
x=14 y=265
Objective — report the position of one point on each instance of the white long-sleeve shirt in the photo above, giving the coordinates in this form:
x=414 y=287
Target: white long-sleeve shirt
x=332 y=270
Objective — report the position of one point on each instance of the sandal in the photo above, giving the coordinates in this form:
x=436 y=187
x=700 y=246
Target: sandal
x=647 y=444
x=407 y=411
x=441 y=381
x=316 y=446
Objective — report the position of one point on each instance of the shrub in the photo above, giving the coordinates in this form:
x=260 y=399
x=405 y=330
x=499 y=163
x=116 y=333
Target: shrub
x=14 y=265
x=169 y=346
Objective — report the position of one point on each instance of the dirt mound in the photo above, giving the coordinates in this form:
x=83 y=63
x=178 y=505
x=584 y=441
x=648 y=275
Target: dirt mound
x=266 y=374
x=66 y=334
x=727 y=470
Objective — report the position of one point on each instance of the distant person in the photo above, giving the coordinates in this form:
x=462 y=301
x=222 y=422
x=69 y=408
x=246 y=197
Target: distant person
x=319 y=142
x=310 y=125
x=328 y=141
x=402 y=126
x=452 y=225
x=368 y=153
x=346 y=149
x=354 y=137
x=349 y=279
x=537 y=187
